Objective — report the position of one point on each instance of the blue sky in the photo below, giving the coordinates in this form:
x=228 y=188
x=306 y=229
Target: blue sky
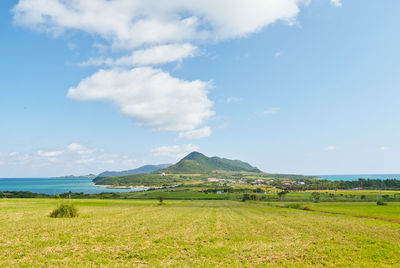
x=309 y=87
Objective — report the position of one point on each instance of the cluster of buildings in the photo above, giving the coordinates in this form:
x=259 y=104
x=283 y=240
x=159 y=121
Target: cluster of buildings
x=286 y=182
x=256 y=182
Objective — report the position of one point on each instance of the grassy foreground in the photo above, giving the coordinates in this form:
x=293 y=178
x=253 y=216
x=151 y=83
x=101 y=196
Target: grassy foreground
x=195 y=233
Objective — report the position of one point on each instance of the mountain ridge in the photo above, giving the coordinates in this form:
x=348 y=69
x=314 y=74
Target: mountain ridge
x=146 y=169
x=196 y=162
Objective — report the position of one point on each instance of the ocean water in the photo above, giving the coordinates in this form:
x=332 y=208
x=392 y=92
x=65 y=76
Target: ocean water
x=360 y=176
x=56 y=185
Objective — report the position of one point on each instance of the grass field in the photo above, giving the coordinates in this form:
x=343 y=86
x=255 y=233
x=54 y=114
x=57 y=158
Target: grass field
x=389 y=212
x=196 y=233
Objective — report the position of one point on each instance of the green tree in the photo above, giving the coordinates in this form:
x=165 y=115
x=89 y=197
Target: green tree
x=282 y=194
x=245 y=197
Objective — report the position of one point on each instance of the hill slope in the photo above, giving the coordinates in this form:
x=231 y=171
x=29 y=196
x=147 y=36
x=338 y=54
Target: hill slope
x=147 y=169
x=199 y=163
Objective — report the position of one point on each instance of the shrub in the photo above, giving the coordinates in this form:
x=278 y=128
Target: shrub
x=299 y=206
x=381 y=203
x=294 y=205
x=65 y=210
x=245 y=197
x=160 y=200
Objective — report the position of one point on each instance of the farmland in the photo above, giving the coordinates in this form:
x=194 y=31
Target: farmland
x=197 y=233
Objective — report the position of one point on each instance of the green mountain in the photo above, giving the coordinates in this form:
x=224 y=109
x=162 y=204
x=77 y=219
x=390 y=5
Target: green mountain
x=199 y=163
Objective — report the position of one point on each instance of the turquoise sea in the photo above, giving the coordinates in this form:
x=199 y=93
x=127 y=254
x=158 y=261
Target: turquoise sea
x=55 y=185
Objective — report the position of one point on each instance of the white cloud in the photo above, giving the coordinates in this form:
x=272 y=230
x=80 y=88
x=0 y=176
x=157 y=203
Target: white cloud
x=336 y=3
x=196 y=133
x=278 y=54
x=49 y=153
x=383 y=148
x=133 y=23
x=152 y=97
x=175 y=151
x=271 y=111
x=330 y=148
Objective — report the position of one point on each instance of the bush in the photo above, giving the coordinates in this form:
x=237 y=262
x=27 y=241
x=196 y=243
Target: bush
x=160 y=200
x=299 y=206
x=294 y=205
x=245 y=197
x=65 y=210
x=381 y=203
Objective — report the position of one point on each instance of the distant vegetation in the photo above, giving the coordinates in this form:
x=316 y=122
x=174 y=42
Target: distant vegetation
x=226 y=193
x=140 y=179
x=367 y=184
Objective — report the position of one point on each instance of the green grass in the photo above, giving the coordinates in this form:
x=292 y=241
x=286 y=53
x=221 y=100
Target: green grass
x=370 y=209
x=183 y=195
x=193 y=233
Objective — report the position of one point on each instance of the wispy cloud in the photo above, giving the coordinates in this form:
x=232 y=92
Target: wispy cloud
x=80 y=149
x=196 y=133
x=271 y=111
x=71 y=46
x=156 y=55
x=175 y=151
x=49 y=153
x=336 y=3
x=330 y=148
x=232 y=99
x=75 y=155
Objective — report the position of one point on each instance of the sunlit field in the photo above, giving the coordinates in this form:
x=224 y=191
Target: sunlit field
x=197 y=233
x=388 y=212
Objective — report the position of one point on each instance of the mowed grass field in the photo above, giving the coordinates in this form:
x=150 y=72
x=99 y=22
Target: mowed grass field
x=388 y=212
x=195 y=233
